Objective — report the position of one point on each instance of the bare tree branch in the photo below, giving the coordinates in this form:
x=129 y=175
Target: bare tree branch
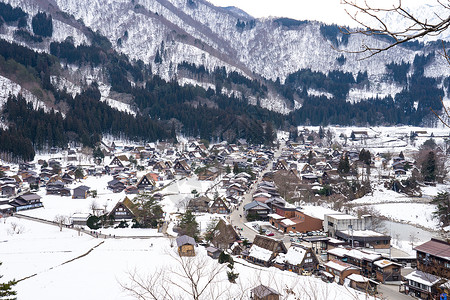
x=371 y=20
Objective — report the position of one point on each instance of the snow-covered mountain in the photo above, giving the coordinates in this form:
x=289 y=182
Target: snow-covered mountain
x=198 y=32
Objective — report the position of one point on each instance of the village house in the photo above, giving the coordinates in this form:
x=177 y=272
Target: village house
x=80 y=192
x=181 y=168
x=263 y=250
x=26 y=201
x=122 y=211
x=225 y=235
x=423 y=285
x=363 y=284
x=293 y=220
x=364 y=260
x=213 y=252
x=262 y=292
x=186 y=245
x=119 y=161
x=210 y=173
x=340 y=270
x=387 y=270
x=199 y=204
x=256 y=209
x=434 y=257
x=364 y=238
x=297 y=259
x=219 y=206
x=146 y=182
x=116 y=185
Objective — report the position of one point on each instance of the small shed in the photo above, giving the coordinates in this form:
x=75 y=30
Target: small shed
x=186 y=245
x=262 y=292
x=213 y=252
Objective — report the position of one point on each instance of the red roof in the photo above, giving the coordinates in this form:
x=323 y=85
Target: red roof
x=436 y=248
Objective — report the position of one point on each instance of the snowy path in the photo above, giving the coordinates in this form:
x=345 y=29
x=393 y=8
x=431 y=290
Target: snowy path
x=66 y=262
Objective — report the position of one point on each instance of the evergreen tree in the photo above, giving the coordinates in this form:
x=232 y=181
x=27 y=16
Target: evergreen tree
x=344 y=165
x=442 y=201
x=188 y=225
x=236 y=169
x=321 y=133
x=6 y=289
x=42 y=24
x=79 y=173
x=428 y=170
x=401 y=155
x=365 y=157
x=352 y=136
x=269 y=134
x=147 y=209
x=98 y=154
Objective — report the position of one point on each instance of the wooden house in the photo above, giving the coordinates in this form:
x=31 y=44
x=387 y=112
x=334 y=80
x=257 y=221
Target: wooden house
x=26 y=201
x=181 y=167
x=281 y=165
x=213 y=252
x=122 y=210
x=119 y=161
x=257 y=209
x=434 y=257
x=423 y=285
x=297 y=259
x=186 y=245
x=293 y=220
x=219 y=206
x=362 y=284
x=80 y=192
x=209 y=174
x=146 y=182
x=263 y=292
x=116 y=185
x=224 y=235
x=199 y=204
x=387 y=270
x=341 y=270
x=263 y=250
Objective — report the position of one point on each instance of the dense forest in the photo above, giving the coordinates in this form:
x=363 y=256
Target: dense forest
x=164 y=108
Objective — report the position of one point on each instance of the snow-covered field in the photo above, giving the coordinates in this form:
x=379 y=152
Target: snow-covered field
x=53 y=257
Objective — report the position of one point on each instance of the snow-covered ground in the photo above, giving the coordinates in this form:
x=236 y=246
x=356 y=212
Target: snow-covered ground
x=55 y=259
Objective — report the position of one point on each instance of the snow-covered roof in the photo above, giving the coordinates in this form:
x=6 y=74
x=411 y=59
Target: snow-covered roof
x=275 y=216
x=341 y=216
x=295 y=255
x=339 y=266
x=423 y=278
x=384 y=263
x=288 y=222
x=260 y=253
x=357 y=278
x=338 y=251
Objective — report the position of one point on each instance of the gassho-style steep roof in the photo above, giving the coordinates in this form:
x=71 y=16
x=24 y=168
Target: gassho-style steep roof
x=436 y=248
x=276 y=246
x=185 y=240
x=262 y=291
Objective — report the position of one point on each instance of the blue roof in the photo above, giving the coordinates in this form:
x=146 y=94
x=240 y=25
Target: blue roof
x=255 y=204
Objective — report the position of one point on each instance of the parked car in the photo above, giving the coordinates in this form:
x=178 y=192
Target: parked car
x=269 y=233
x=306 y=273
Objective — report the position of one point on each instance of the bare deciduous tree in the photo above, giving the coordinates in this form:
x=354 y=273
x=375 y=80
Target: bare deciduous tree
x=371 y=17
x=60 y=220
x=199 y=277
